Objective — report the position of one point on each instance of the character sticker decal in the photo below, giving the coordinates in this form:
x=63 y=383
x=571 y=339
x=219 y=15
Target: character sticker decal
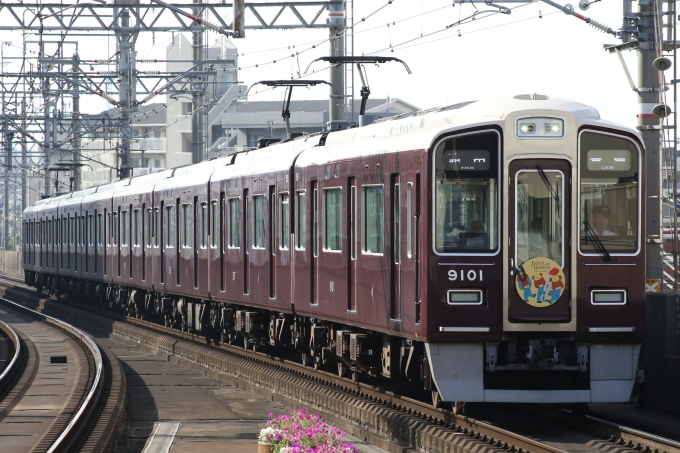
x=540 y=282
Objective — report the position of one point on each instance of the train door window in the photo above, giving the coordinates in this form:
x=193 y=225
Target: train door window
x=186 y=226
x=539 y=214
x=466 y=195
x=234 y=223
x=114 y=230
x=49 y=232
x=169 y=227
x=91 y=230
x=332 y=217
x=315 y=220
x=373 y=219
x=300 y=220
x=156 y=228
x=136 y=228
x=396 y=219
x=284 y=214
x=409 y=221
x=148 y=230
x=100 y=228
x=352 y=218
x=124 y=228
x=259 y=221
x=72 y=229
x=110 y=222
x=609 y=212
x=204 y=225
x=214 y=219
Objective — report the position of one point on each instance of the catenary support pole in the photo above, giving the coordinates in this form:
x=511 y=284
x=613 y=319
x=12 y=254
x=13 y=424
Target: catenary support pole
x=197 y=117
x=336 y=17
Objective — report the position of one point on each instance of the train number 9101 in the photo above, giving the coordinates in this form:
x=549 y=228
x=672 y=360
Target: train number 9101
x=470 y=275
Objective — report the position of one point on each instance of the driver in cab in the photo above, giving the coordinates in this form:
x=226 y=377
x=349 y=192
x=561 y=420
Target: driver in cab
x=601 y=215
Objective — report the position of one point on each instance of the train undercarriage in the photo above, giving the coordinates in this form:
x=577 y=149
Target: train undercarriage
x=518 y=363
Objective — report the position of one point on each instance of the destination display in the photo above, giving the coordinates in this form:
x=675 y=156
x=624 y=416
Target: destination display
x=467 y=160
x=608 y=160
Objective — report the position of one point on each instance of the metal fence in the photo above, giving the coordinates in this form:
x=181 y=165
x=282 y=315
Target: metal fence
x=11 y=263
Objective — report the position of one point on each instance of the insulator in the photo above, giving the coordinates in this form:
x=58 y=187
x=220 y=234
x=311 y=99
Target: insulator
x=153 y=73
x=212 y=27
x=600 y=26
x=147 y=61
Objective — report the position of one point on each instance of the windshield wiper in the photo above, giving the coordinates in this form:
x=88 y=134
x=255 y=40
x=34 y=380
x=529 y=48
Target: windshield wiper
x=597 y=243
x=547 y=184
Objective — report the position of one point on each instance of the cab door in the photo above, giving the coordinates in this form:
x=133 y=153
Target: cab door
x=540 y=241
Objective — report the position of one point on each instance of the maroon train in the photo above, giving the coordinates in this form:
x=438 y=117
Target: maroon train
x=488 y=251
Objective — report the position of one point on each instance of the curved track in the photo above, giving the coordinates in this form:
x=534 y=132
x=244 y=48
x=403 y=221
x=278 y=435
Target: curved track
x=55 y=395
x=383 y=415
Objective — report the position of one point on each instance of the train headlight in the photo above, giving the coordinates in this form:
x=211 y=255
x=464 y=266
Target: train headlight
x=536 y=128
x=527 y=128
x=552 y=128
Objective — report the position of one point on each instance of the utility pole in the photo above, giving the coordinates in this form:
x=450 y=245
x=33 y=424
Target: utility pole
x=75 y=128
x=24 y=159
x=336 y=21
x=197 y=118
x=650 y=127
x=8 y=174
x=50 y=107
x=126 y=39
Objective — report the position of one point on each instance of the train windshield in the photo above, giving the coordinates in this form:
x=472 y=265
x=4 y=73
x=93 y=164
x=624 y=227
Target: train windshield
x=466 y=194
x=608 y=189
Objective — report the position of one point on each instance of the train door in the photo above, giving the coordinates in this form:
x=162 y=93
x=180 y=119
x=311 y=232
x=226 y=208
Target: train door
x=314 y=298
x=352 y=246
x=540 y=241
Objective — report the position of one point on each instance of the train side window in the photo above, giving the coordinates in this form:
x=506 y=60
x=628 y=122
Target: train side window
x=300 y=220
x=214 y=219
x=284 y=214
x=373 y=219
x=137 y=228
x=259 y=221
x=234 y=223
x=466 y=194
x=609 y=194
x=332 y=217
x=169 y=226
x=204 y=225
x=186 y=226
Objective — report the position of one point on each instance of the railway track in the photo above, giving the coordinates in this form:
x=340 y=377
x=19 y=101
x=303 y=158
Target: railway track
x=59 y=392
x=382 y=416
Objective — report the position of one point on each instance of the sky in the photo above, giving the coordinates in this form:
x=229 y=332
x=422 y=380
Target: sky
x=535 y=49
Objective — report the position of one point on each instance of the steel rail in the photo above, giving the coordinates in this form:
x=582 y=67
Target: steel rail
x=17 y=350
x=69 y=433
x=636 y=436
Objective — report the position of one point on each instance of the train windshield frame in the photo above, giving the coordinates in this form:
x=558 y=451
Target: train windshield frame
x=609 y=193
x=466 y=194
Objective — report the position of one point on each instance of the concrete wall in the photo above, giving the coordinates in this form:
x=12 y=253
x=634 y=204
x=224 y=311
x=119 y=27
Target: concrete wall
x=11 y=264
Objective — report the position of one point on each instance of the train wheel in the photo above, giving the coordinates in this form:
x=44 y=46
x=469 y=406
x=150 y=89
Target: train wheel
x=254 y=347
x=317 y=362
x=166 y=321
x=458 y=407
x=342 y=369
x=305 y=359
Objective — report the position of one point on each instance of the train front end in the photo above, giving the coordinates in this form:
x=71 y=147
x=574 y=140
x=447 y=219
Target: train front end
x=536 y=273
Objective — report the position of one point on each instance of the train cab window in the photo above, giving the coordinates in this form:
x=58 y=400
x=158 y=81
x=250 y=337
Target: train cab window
x=373 y=219
x=259 y=221
x=300 y=220
x=466 y=195
x=234 y=223
x=609 y=206
x=186 y=226
x=284 y=214
x=169 y=227
x=539 y=214
x=332 y=217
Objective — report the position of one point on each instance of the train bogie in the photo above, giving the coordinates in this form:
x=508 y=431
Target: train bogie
x=489 y=251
